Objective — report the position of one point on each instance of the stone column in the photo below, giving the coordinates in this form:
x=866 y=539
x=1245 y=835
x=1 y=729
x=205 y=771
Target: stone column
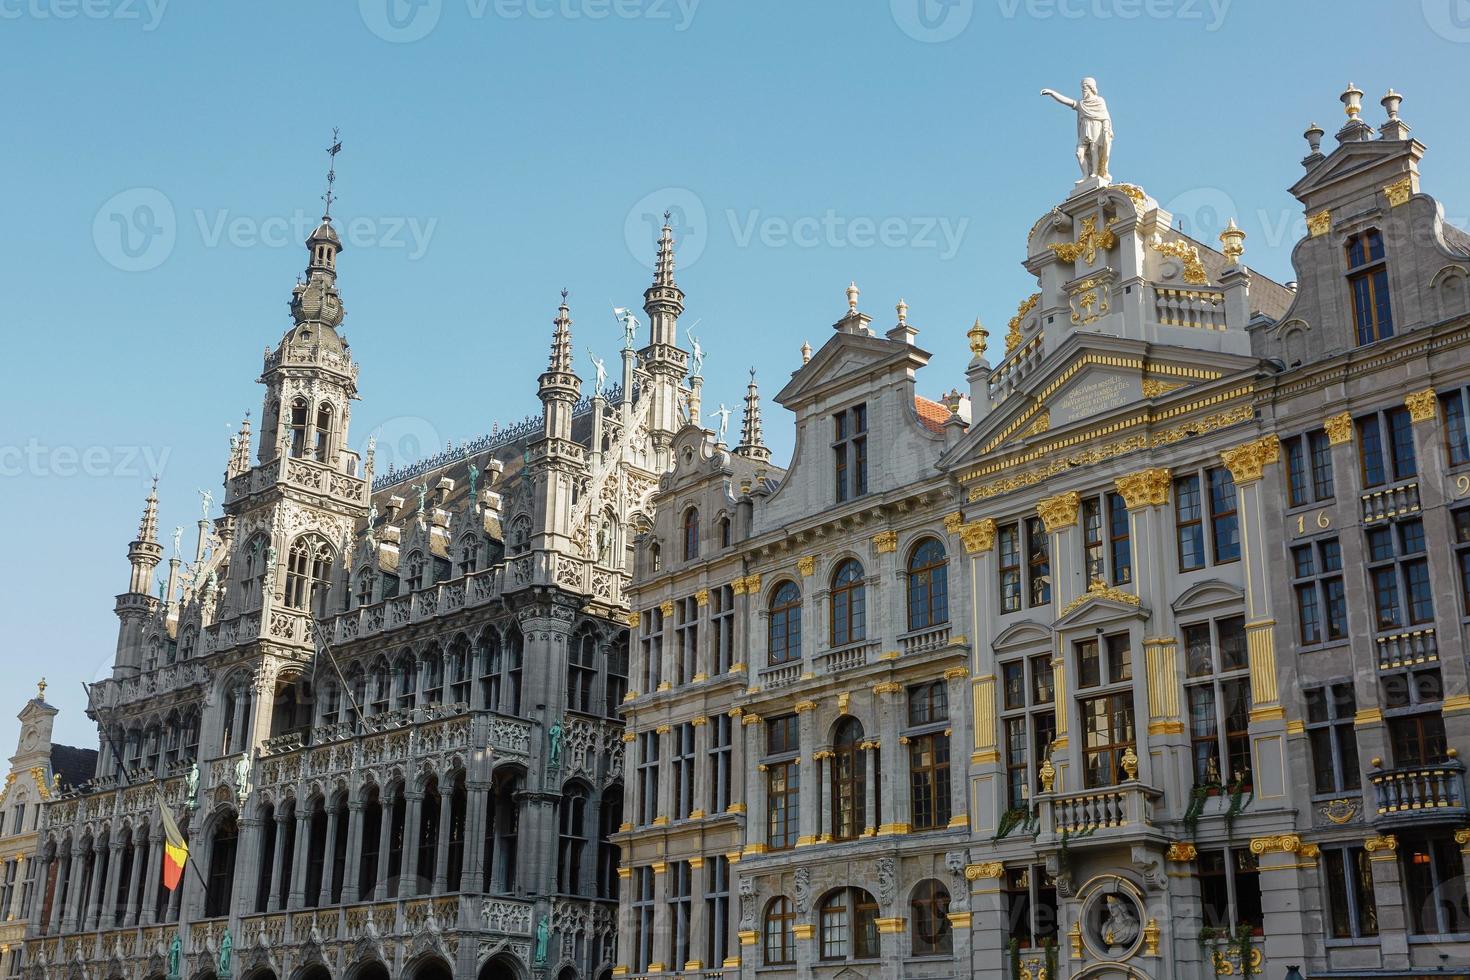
x=738 y=774
x=329 y=859
x=278 y=860
x=697 y=913
x=1388 y=894
x=441 y=850
x=978 y=538
x=408 y=872
x=353 y=870
x=666 y=778
x=477 y=796
x=870 y=788
x=701 y=767
x=821 y=775
x=101 y=871
x=106 y=915
x=134 y=908
x=385 y=841
x=1068 y=574
x=149 y=899
x=626 y=930
x=662 y=918
x=1248 y=465
x=296 y=897
x=58 y=903
x=755 y=784
x=958 y=735
x=888 y=696
x=989 y=928
x=247 y=865
x=1284 y=863
x=809 y=789
x=537 y=836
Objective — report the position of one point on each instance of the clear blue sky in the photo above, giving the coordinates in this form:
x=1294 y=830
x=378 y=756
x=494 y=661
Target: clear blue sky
x=498 y=150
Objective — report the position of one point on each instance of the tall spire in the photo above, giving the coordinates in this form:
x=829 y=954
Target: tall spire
x=144 y=553
x=752 y=444
x=663 y=301
x=316 y=302
x=559 y=386
x=663 y=272
x=148 y=526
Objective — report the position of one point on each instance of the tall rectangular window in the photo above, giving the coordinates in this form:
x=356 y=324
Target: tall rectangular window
x=652 y=640
x=1230 y=889
x=721 y=728
x=1308 y=469
x=850 y=452
x=1218 y=692
x=1038 y=562
x=1329 y=723
x=782 y=795
x=1434 y=880
x=1386 y=447
x=1456 y=432
x=1188 y=523
x=1224 y=521
x=1008 y=551
x=722 y=630
x=1352 y=910
x=686 y=640
x=1461 y=519
x=643 y=908
x=1030 y=898
x=648 y=766
x=683 y=770
x=717 y=910
x=1321 y=598
x=1368 y=284
x=1029 y=724
x=1398 y=572
x=1120 y=548
x=1107 y=726
x=929 y=780
x=679 y=884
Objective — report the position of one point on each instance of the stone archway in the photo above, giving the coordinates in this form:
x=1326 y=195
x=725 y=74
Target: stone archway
x=429 y=968
x=501 y=967
x=371 y=970
x=262 y=973
x=313 y=971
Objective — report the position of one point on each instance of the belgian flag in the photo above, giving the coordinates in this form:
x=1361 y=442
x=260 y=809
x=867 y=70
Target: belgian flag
x=175 y=849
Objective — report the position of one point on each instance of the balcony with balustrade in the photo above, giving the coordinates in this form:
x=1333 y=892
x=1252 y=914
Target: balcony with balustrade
x=1417 y=796
x=1104 y=815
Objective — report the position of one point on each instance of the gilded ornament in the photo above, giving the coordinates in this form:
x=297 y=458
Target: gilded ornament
x=1339 y=811
x=953 y=522
x=702 y=597
x=1151 y=938
x=666 y=607
x=804 y=706
x=1090 y=300
x=1087 y=244
x=1399 y=191
x=1048 y=774
x=989 y=869
x=978 y=536
x=806 y=564
x=885 y=542
x=1042 y=424
x=1182 y=851
x=1153 y=388
x=1339 y=428
x=1320 y=223
x=1386 y=842
x=1101 y=590
x=1232 y=242
x=978 y=337
x=1013 y=328
x=1462 y=837
x=1135 y=194
x=1283 y=843
x=887 y=687
x=1247 y=463
x=1194 y=269
x=1146 y=488
x=1130 y=763
x=1059 y=512
x=1421 y=405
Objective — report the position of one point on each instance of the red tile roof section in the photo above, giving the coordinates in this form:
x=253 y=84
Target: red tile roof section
x=931 y=414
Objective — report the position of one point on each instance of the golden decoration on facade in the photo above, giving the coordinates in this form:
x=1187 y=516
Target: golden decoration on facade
x=1087 y=244
x=1042 y=424
x=1422 y=405
x=633 y=619
x=989 y=869
x=1339 y=811
x=1151 y=938
x=978 y=536
x=1399 y=191
x=1074 y=936
x=1100 y=590
x=1386 y=842
x=1048 y=775
x=702 y=597
x=1089 y=300
x=1339 y=428
x=885 y=542
x=1059 y=512
x=666 y=607
x=978 y=337
x=1154 y=388
x=1320 y=223
x=1146 y=488
x=953 y=522
x=806 y=565
x=1182 y=851
x=1232 y=242
x=804 y=706
x=1130 y=763
x=887 y=687
x=1187 y=253
x=1282 y=843
x=1247 y=463
x=1013 y=328
x=39 y=775
x=1135 y=194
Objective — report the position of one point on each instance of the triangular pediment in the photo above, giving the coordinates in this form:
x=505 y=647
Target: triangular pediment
x=845 y=359
x=1091 y=378
x=1351 y=161
x=1099 y=607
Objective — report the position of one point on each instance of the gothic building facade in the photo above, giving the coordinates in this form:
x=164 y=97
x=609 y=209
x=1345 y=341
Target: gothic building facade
x=1145 y=659
x=385 y=711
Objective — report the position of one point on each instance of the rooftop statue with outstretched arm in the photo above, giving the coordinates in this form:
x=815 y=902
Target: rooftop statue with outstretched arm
x=1094 y=129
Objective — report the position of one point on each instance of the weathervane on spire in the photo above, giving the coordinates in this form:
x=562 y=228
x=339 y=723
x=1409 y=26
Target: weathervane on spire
x=332 y=151
x=668 y=213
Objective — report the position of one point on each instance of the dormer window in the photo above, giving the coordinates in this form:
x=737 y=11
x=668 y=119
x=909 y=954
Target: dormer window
x=415 y=567
x=1368 y=281
x=850 y=452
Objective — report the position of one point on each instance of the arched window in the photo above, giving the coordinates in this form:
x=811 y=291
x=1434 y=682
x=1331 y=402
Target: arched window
x=581 y=671
x=433 y=662
x=221 y=867
x=255 y=568
x=722 y=530
x=323 y=448
x=514 y=651
x=929 y=913
x=849 y=605
x=573 y=842
x=153 y=653
x=382 y=685
x=490 y=659
x=405 y=674
x=309 y=574
x=784 y=628
x=297 y=437
x=849 y=923
x=469 y=554
x=187 y=643
x=459 y=671
x=413 y=567
x=928 y=585
x=655 y=557
x=780 y=932
x=849 y=781
x=691 y=534
x=365 y=579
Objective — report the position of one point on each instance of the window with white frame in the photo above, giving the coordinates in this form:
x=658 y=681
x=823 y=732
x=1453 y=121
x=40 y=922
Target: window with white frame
x=1217 y=688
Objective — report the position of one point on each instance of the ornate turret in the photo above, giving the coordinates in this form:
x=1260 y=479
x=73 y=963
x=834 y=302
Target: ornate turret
x=560 y=387
x=145 y=552
x=666 y=364
x=752 y=443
